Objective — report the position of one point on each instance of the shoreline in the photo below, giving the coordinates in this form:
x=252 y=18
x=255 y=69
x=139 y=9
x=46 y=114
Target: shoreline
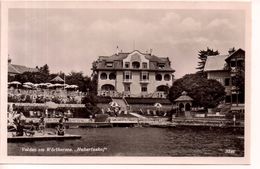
x=151 y=122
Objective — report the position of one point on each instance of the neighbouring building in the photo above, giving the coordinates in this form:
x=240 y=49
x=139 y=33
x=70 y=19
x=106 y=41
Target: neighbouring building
x=18 y=69
x=227 y=69
x=133 y=74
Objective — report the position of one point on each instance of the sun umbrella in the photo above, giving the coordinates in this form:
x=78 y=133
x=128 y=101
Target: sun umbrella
x=58 y=85
x=28 y=83
x=73 y=86
x=27 y=86
x=47 y=84
x=15 y=83
x=51 y=85
x=114 y=104
x=157 y=105
x=42 y=84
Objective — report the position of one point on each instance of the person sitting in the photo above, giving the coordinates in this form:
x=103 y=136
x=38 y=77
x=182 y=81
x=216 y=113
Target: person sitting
x=41 y=125
x=30 y=130
x=60 y=129
x=19 y=129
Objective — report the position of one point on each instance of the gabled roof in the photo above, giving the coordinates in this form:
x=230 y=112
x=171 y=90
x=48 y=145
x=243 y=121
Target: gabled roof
x=216 y=62
x=118 y=58
x=234 y=53
x=121 y=56
x=57 y=79
x=19 y=69
x=184 y=98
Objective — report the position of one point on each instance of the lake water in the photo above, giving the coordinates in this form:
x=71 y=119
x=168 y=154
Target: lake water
x=137 y=142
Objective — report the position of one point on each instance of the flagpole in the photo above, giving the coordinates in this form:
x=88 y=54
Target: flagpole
x=64 y=82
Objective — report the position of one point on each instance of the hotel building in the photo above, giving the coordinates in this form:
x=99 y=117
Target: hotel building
x=133 y=74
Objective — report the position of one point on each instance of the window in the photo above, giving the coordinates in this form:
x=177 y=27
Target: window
x=112 y=76
x=144 y=88
x=127 y=87
x=233 y=63
x=136 y=65
x=127 y=64
x=127 y=75
x=103 y=76
x=109 y=64
x=158 y=77
x=167 y=77
x=144 y=65
x=161 y=65
x=144 y=76
x=227 y=81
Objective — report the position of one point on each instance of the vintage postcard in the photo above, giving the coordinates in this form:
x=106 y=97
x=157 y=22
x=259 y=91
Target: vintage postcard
x=119 y=82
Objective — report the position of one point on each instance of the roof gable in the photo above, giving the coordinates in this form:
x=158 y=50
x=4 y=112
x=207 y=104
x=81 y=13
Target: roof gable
x=216 y=62
x=236 y=53
x=19 y=69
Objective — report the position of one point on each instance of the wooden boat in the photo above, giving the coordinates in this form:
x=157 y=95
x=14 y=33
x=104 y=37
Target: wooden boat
x=40 y=137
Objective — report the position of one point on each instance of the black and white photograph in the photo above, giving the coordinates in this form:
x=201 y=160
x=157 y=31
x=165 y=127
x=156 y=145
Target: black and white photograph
x=127 y=79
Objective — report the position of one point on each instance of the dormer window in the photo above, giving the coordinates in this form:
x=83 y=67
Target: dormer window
x=109 y=64
x=136 y=65
x=161 y=65
x=127 y=64
x=144 y=65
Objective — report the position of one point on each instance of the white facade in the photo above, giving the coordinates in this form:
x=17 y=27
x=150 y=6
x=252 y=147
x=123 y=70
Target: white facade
x=134 y=75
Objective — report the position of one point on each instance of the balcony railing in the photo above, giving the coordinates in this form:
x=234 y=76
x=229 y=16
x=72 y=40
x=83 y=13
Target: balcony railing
x=127 y=80
x=144 y=80
x=109 y=93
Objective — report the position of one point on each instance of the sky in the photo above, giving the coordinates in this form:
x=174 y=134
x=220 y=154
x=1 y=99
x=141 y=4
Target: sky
x=71 y=39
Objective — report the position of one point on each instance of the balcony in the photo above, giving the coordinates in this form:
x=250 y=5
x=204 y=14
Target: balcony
x=107 y=93
x=127 y=80
x=144 y=80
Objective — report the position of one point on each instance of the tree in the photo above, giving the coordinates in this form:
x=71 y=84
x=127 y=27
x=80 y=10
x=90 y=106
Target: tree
x=34 y=77
x=44 y=69
x=76 y=78
x=203 y=54
x=206 y=92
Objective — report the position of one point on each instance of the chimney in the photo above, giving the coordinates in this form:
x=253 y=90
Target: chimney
x=151 y=51
x=231 y=50
x=117 y=50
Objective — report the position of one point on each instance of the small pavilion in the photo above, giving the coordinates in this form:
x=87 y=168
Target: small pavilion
x=184 y=104
x=57 y=79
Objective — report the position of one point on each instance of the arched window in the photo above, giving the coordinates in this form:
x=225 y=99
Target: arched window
x=187 y=107
x=103 y=76
x=112 y=76
x=136 y=65
x=107 y=87
x=158 y=77
x=167 y=77
x=162 y=88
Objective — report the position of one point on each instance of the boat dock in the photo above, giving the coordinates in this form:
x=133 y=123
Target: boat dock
x=39 y=137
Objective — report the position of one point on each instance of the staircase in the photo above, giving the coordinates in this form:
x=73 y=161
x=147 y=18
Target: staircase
x=138 y=115
x=188 y=114
x=122 y=103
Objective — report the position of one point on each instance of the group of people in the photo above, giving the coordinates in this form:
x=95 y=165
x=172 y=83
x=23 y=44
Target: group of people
x=19 y=126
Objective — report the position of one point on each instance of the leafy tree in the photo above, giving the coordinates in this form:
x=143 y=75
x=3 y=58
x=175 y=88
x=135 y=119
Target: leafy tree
x=34 y=77
x=76 y=78
x=90 y=103
x=206 y=92
x=45 y=69
x=203 y=54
